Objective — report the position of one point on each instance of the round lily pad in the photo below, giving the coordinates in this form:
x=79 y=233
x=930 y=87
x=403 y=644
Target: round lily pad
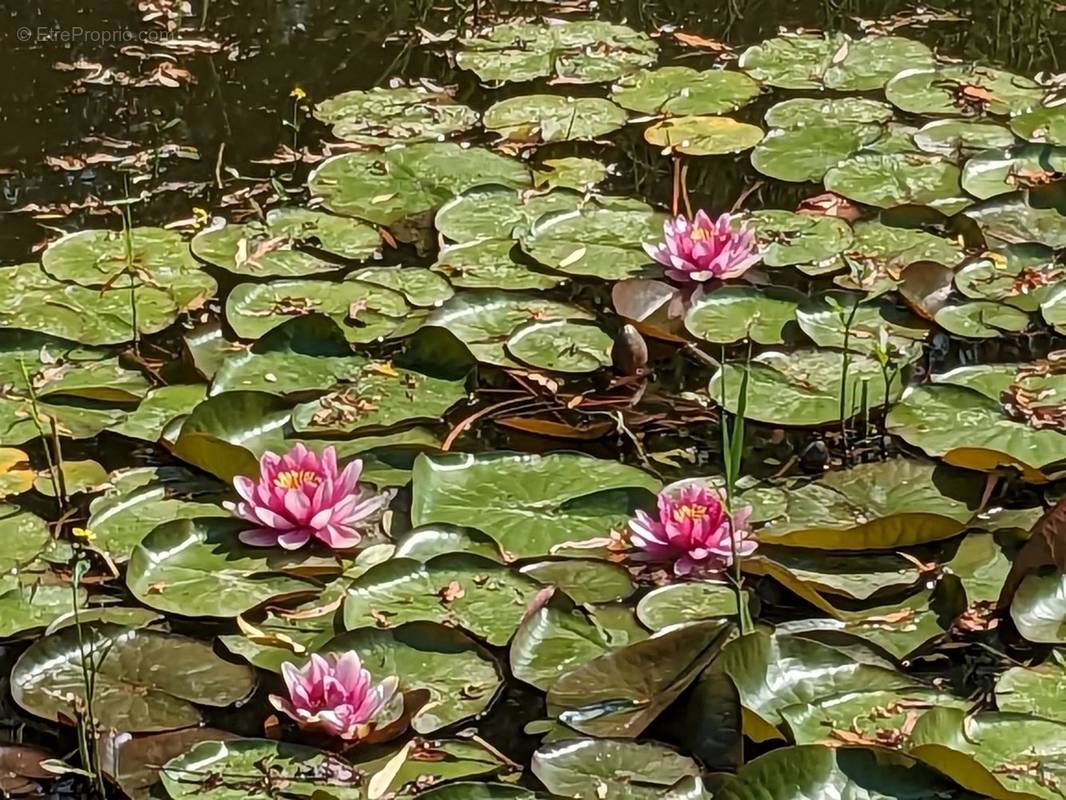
x=866 y=64
x=802 y=387
x=132 y=690
x=601 y=240
x=1042 y=124
x=97 y=258
x=420 y=287
x=703 y=136
x=610 y=769
x=835 y=318
x=787 y=239
x=1014 y=218
x=1022 y=275
x=955 y=138
x=981 y=319
x=961 y=90
x=679 y=603
x=287 y=245
x=394 y=185
x=996 y=172
x=553 y=118
x=900 y=179
x=385 y=116
x=487 y=213
x=803 y=112
x=733 y=313
x=561 y=346
x=1039 y=608
x=806 y=154
x=491 y=264
x=683 y=91
x=572 y=172
x=792 y=60
x=577 y=52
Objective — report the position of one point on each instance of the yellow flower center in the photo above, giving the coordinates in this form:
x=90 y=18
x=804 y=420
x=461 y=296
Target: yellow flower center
x=698 y=234
x=681 y=513
x=296 y=479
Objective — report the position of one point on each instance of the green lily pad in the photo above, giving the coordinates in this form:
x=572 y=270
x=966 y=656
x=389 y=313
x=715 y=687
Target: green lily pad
x=572 y=172
x=787 y=239
x=866 y=326
x=529 y=504
x=420 y=287
x=869 y=63
x=582 y=51
x=78 y=476
x=460 y=590
x=598 y=769
x=134 y=762
x=1042 y=124
x=809 y=771
x=886 y=181
x=621 y=692
x=585 y=581
x=395 y=185
x=703 y=135
x=497 y=212
x=434 y=761
x=484 y=321
x=602 y=240
x=561 y=346
x=141 y=498
x=75 y=420
x=491 y=264
x=98 y=258
x=553 y=118
x=965 y=428
x=733 y=313
x=1013 y=219
x=132 y=692
x=236 y=768
x=678 y=603
x=253 y=309
x=981 y=319
x=890 y=249
x=198 y=568
x=1039 y=608
x=378 y=396
x=382 y=116
x=426 y=541
x=998 y=755
x=25 y=536
x=1022 y=276
x=875 y=506
x=960 y=90
x=158 y=409
x=792 y=60
x=961 y=137
x=287 y=245
x=34 y=607
x=89 y=315
x=806 y=154
x=859 y=113
x=996 y=172
x=683 y=91
x=1054 y=309
x=803 y=387
x=1034 y=690
x=851 y=575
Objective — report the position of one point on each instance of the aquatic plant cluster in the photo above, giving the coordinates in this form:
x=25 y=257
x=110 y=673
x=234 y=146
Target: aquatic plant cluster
x=682 y=501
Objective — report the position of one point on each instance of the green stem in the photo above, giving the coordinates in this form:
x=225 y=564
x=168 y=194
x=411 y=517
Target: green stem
x=36 y=409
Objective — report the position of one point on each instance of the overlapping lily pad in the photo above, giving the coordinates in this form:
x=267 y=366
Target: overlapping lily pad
x=386 y=116
x=561 y=346
x=1043 y=124
x=792 y=60
x=732 y=313
x=610 y=770
x=703 y=135
x=683 y=91
x=996 y=172
x=898 y=179
x=553 y=118
x=807 y=153
x=961 y=90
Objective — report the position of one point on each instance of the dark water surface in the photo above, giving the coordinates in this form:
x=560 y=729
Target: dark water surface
x=241 y=94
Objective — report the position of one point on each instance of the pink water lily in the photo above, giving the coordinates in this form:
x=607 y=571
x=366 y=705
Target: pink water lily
x=693 y=531
x=701 y=249
x=334 y=694
x=300 y=496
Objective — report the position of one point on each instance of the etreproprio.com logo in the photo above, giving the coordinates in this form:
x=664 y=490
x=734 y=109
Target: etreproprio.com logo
x=78 y=34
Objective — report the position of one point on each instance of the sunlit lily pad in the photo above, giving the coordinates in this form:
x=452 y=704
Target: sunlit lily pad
x=1042 y=124
x=802 y=387
x=553 y=118
x=35 y=606
x=99 y=257
x=961 y=90
x=859 y=113
x=806 y=153
x=578 y=52
x=561 y=346
x=592 y=769
x=899 y=179
x=1016 y=218
x=961 y=137
x=584 y=580
x=241 y=763
x=678 y=603
x=792 y=60
x=133 y=692
x=1037 y=690
x=968 y=429
x=491 y=264
x=290 y=244
x=890 y=249
x=16 y=475
x=1022 y=276
x=981 y=319
x=862 y=65
x=683 y=91
x=996 y=172
x=198 y=568
x=253 y=309
x=159 y=407
x=1039 y=608
x=74 y=419
x=1054 y=309
x=851 y=575
x=498 y=212
x=384 y=116
x=388 y=187
x=703 y=136
x=572 y=172
x=421 y=287
x=806 y=240
x=845 y=319
x=76 y=477
x=600 y=240
x=461 y=590
x=732 y=313
x=529 y=504
x=875 y=506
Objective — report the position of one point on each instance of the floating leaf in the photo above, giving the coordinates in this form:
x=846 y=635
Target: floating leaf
x=961 y=90
x=703 y=136
x=807 y=240
x=955 y=138
x=683 y=91
x=898 y=179
x=552 y=118
x=382 y=116
x=691 y=601
x=1022 y=276
x=572 y=172
x=791 y=60
x=806 y=154
x=598 y=769
x=981 y=319
x=1043 y=124
x=1016 y=218
x=839 y=319
x=1034 y=690
x=996 y=172
x=561 y=346
x=733 y=313
x=869 y=63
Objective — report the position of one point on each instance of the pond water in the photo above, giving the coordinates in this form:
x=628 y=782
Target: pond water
x=875 y=390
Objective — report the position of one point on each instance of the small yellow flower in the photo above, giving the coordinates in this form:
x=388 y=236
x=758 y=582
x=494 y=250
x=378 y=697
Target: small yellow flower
x=84 y=534
x=200 y=217
x=298 y=93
